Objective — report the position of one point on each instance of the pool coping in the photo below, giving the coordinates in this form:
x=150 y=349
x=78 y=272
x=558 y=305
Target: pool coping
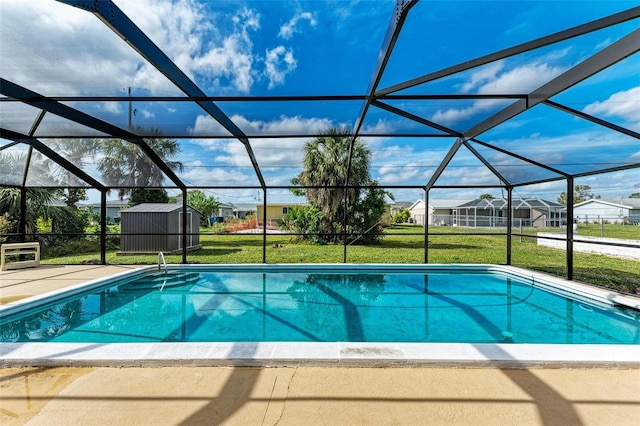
x=339 y=354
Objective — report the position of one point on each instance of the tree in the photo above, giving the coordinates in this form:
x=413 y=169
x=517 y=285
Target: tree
x=40 y=205
x=5 y=226
x=367 y=213
x=78 y=152
x=41 y=202
x=402 y=216
x=635 y=195
x=205 y=205
x=486 y=197
x=144 y=195
x=124 y=164
x=580 y=193
x=304 y=220
x=45 y=203
x=326 y=162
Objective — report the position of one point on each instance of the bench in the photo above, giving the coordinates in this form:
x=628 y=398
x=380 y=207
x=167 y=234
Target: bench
x=10 y=255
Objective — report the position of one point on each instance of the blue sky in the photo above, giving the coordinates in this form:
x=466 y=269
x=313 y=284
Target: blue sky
x=270 y=48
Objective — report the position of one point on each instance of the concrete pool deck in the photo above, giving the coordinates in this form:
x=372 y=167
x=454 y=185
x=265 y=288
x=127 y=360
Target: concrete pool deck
x=301 y=394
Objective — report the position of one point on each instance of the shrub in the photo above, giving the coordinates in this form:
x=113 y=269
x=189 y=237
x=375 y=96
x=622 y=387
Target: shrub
x=76 y=247
x=304 y=220
x=402 y=216
x=5 y=226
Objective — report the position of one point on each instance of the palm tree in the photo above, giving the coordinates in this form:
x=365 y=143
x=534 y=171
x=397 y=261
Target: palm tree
x=201 y=202
x=40 y=205
x=41 y=202
x=78 y=152
x=125 y=164
x=326 y=161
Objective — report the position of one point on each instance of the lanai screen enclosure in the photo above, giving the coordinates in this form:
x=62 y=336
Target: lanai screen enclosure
x=514 y=97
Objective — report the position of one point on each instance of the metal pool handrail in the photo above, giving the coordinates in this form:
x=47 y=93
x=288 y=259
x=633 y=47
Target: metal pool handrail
x=161 y=261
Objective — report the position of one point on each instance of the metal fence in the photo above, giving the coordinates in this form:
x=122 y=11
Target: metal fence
x=475 y=221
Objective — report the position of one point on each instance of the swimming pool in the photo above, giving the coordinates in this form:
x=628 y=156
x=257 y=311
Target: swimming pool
x=361 y=311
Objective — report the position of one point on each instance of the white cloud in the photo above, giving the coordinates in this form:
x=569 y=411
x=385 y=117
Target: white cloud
x=395 y=164
x=604 y=43
x=232 y=58
x=522 y=79
x=407 y=173
x=145 y=113
x=112 y=107
x=466 y=175
x=206 y=125
x=60 y=50
x=493 y=79
x=213 y=49
x=575 y=152
x=196 y=173
x=381 y=126
x=482 y=76
x=453 y=115
x=287 y=30
x=283 y=124
x=70 y=53
x=624 y=104
x=279 y=62
x=270 y=153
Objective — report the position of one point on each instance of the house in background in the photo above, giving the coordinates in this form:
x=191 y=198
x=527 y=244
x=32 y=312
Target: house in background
x=278 y=205
x=389 y=205
x=149 y=228
x=113 y=209
x=224 y=211
x=621 y=210
x=241 y=210
x=440 y=211
x=490 y=212
x=400 y=206
x=417 y=212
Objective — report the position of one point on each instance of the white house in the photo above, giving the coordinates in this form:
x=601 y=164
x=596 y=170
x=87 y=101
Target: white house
x=224 y=210
x=417 y=212
x=487 y=212
x=113 y=208
x=441 y=211
x=490 y=212
x=400 y=206
x=621 y=210
x=240 y=210
x=444 y=211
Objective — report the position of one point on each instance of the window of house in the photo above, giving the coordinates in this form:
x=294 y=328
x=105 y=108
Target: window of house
x=285 y=210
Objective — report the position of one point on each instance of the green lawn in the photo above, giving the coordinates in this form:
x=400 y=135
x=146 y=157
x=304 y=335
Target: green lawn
x=405 y=244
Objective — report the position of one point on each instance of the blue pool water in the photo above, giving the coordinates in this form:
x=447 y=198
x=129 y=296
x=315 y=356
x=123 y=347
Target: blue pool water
x=323 y=305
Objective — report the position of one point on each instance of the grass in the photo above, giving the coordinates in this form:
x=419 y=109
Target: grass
x=405 y=244
x=629 y=232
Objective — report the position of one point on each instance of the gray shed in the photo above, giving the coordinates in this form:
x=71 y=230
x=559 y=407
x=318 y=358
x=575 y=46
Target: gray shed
x=162 y=224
